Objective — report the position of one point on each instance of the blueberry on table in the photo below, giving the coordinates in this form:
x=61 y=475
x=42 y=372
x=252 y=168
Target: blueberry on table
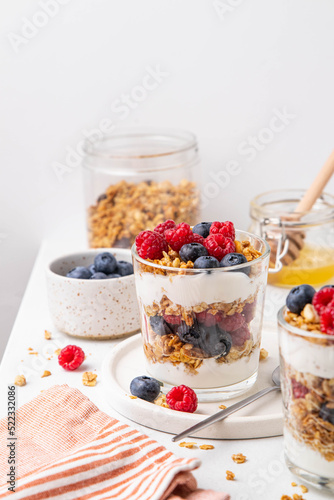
x=298 y=297
x=146 y=388
x=105 y=263
x=192 y=251
x=98 y=276
x=79 y=272
x=160 y=326
x=206 y=262
x=203 y=229
x=235 y=259
x=124 y=268
x=327 y=413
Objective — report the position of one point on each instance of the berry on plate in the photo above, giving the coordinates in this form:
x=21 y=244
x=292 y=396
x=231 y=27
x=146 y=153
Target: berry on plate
x=298 y=297
x=224 y=228
x=79 y=273
x=160 y=326
x=235 y=259
x=327 y=320
x=323 y=298
x=192 y=251
x=203 y=229
x=178 y=236
x=105 y=263
x=150 y=245
x=145 y=387
x=182 y=398
x=218 y=245
x=71 y=357
x=161 y=228
x=206 y=262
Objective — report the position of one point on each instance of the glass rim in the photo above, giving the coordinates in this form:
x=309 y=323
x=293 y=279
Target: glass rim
x=295 y=330
x=90 y=147
x=254 y=204
x=211 y=269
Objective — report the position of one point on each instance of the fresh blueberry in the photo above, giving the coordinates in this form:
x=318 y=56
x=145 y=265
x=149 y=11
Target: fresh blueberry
x=124 y=268
x=114 y=275
x=98 y=276
x=79 y=273
x=206 y=262
x=160 y=326
x=217 y=342
x=105 y=263
x=327 y=413
x=191 y=334
x=298 y=297
x=192 y=251
x=203 y=228
x=235 y=259
x=92 y=269
x=146 y=388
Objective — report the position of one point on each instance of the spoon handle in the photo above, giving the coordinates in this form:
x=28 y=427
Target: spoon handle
x=220 y=415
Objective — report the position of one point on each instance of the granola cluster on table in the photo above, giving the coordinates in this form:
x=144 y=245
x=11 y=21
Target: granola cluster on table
x=309 y=398
x=179 y=333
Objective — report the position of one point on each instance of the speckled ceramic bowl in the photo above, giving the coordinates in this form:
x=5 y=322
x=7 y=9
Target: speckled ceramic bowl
x=92 y=309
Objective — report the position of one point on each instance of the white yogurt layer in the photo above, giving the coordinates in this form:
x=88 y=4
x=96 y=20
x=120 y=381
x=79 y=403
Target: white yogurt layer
x=307 y=357
x=191 y=290
x=306 y=458
x=210 y=374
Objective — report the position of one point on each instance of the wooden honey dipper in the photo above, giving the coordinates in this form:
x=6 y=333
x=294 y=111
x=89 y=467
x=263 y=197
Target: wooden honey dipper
x=296 y=238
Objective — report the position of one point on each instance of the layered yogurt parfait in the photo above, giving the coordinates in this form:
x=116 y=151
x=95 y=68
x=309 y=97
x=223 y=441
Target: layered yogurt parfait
x=201 y=292
x=306 y=338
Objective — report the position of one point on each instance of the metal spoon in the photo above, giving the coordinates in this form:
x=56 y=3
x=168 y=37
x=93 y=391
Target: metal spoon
x=220 y=415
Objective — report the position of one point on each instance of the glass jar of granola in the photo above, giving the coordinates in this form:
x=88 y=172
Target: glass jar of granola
x=307 y=377
x=202 y=327
x=308 y=236
x=136 y=178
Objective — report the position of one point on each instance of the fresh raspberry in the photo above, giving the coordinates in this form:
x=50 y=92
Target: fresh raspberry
x=172 y=319
x=323 y=298
x=218 y=246
x=232 y=323
x=198 y=238
x=209 y=319
x=179 y=235
x=182 y=398
x=240 y=336
x=150 y=245
x=71 y=357
x=327 y=320
x=224 y=228
x=161 y=228
x=299 y=390
x=249 y=311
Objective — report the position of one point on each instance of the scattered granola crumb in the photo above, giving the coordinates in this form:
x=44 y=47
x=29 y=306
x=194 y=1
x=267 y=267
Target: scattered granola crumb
x=33 y=352
x=206 y=447
x=185 y=444
x=230 y=476
x=57 y=351
x=161 y=401
x=46 y=373
x=285 y=497
x=133 y=397
x=222 y=407
x=30 y=349
x=263 y=354
x=294 y=484
x=303 y=488
x=239 y=458
x=20 y=380
x=47 y=334
x=89 y=379
x=295 y=496
x=48 y=359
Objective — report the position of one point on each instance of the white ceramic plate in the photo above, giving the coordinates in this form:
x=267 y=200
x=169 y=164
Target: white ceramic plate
x=263 y=418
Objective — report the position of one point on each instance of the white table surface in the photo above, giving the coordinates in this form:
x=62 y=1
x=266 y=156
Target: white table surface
x=263 y=476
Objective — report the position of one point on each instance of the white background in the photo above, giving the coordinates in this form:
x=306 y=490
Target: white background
x=226 y=70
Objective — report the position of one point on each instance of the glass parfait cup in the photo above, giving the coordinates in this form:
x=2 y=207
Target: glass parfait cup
x=307 y=379
x=202 y=327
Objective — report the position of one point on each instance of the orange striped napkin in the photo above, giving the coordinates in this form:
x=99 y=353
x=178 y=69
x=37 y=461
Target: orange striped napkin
x=68 y=449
